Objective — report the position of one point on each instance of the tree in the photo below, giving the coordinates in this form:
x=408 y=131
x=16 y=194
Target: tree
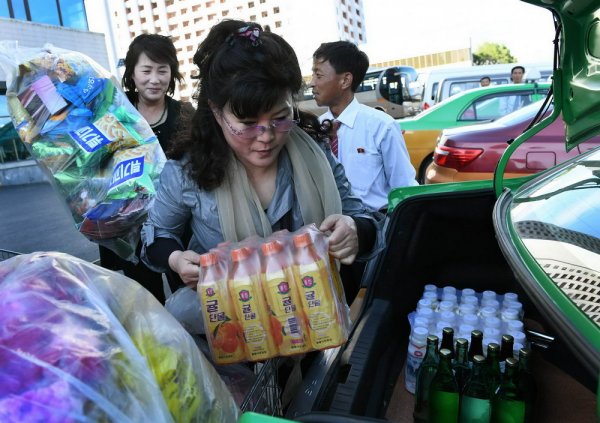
x=492 y=53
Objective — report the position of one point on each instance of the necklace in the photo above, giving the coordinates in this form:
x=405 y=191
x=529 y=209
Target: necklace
x=152 y=125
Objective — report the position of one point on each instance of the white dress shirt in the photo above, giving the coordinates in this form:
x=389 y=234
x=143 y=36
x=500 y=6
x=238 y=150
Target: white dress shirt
x=373 y=152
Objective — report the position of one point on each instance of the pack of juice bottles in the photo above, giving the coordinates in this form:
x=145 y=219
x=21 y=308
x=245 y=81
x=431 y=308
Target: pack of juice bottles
x=266 y=297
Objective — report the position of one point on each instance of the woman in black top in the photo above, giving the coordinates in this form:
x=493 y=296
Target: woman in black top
x=151 y=69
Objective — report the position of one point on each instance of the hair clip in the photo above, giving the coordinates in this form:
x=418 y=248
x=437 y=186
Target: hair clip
x=250 y=32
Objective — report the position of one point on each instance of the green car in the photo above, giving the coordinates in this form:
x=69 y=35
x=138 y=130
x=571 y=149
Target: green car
x=478 y=105
x=536 y=238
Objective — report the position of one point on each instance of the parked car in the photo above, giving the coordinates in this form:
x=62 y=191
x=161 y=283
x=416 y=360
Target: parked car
x=472 y=152
x=537 y=236
x=444 y=82
x=470 y=107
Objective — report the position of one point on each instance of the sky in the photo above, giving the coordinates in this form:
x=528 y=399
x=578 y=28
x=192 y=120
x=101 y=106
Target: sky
x=402 y=28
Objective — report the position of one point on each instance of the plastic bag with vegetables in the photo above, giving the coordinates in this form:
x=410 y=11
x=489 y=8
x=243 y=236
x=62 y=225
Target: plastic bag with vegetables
x=79 y=343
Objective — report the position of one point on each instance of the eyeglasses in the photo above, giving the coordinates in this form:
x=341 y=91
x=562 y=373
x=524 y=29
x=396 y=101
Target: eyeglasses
x=278 y=125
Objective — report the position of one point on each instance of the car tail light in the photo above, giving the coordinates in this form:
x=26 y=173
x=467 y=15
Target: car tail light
x=455 y=157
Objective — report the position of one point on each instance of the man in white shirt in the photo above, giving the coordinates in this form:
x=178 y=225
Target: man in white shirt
x=370 y=143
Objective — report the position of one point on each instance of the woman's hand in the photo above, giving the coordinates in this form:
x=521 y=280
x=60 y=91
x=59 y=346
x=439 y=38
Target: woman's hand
x=343 y=239
x=186 y=264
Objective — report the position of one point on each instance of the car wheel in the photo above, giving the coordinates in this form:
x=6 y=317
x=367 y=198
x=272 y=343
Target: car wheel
x=423 y=169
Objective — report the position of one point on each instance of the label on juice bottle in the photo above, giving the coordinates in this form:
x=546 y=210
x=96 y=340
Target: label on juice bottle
x=226 y=339
x=254 y=317
x=287 y=322
x=318 y=302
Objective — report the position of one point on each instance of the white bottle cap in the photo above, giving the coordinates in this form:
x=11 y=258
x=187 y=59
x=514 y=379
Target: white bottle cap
x=467 y=309
x=510 y=296
x=470 y=300
x=487 y=312
x=448 y=316
x=424 y=303
x=491 y=322
x=467 y=292
x=513 y=304
x=471 y=319
x=419 y=335
x=490 y=303
x=430 y=288
x=421 y=322
x=450 y=297
x=510 y=314
x=514 y=326
x=449 y=290
x=445 y=306
x=488 y=295
x=432 y=296
x=426 y=312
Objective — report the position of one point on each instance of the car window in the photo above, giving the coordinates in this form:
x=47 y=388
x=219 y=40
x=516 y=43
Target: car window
x=565 y=240
x=494 y=106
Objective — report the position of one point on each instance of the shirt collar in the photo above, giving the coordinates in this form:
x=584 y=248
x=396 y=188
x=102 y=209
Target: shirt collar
x=348 y=115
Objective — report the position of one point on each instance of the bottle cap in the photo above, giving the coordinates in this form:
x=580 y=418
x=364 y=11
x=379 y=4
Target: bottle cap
x=493 y=347
x=477 y=358
x=510 y=296
x=421 y=322
x=449 y=290
x=524 y=352
x=477 y=334
x=471 y=299
x=433 y=339
x=487 y=312
x=450 y=297
x=491 y=322
x=302 y=240
x=467 y=292
x=430 y=295
x=448 y=330
x=511 y=362
x=446 y=306
x=425 y=312
x=424 y=303
x=508 y=338
x=208 y=259
x=430 y=288
x=271 y=247
x=240 y=254
x=514 y=326
x=419 y=334
x=445 y=352
x=461 y=342
x=467 y=309
x=488 y=295
x=491 y=303
x=512 y=304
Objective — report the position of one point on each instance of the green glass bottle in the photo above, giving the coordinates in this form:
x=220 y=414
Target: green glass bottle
x=475 y=406
x=508 y=404
x=448 y=340
x=425 y=374
x=506 y=350
x=526 y=383
x=476 y=347
x=461 y=364
x=443 y=392
x=493 y=373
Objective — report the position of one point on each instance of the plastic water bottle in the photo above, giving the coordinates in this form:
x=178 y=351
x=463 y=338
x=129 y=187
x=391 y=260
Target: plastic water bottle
x=510 y=296
x=472 y=320
x=416 y=351
x=467 y=292
x=448 y=290
x=470 y=300
x=488 y=295
x=430 y=288
x=424 y=303
x=486 y=312
x=491 y=303
x=466 y=309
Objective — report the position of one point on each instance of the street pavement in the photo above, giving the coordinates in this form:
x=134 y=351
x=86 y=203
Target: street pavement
x=34 y=218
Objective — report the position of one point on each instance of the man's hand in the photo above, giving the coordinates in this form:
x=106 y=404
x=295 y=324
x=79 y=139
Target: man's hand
x=187 y=265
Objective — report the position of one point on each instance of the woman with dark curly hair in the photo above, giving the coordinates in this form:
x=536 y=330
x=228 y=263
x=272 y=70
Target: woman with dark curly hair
x=246 y=167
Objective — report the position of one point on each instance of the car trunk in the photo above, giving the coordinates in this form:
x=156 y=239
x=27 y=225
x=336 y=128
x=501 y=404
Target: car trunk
x=444 y=239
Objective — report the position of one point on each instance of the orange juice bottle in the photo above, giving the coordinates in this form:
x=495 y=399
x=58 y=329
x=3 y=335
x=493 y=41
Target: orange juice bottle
x=316 y=294
x=287 y=320
x=222 y=327
x=250 y=306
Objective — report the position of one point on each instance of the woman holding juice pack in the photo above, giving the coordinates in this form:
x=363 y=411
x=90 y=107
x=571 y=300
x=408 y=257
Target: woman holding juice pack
x=245 y=167
x=151 y=70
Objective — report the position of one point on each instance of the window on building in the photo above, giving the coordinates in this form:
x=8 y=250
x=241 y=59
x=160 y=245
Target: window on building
x=195 y=8
x=143 y=20
x=186 y=24
x=358 y=12
x=171 y=27
x=360 y=37
x=276 y=10
x=210 y=3
x=189 y=48
x=278 y=24
x=141 y=7
x=128 y=10
x=170 y=15
x=250 y=4
x=225 y=13
x=183 y=11
x=253 y=18
x=211 y=17
x=188 y=36
x=343 y=2
x=262 y=1
x=44 y=11
x=359 y=24
x=346 y=28
x=73 y=14
x=264 y=14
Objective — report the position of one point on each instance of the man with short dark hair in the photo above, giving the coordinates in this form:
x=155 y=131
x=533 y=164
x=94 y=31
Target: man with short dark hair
x=485 y=81
x=516 y=74
x=368 y=143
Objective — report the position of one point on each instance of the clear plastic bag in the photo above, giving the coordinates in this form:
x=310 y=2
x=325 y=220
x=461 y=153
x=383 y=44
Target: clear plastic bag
x=82 y=343
x=100 y=153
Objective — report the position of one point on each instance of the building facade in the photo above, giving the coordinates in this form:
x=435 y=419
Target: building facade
x=304 y=24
